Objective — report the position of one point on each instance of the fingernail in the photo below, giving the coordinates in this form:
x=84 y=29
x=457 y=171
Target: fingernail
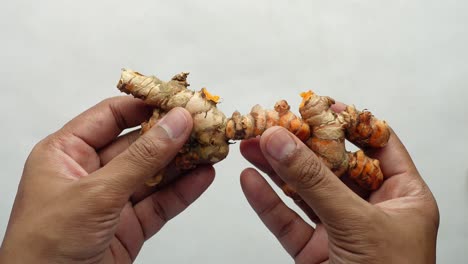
x=174 y=123
x=280 y=144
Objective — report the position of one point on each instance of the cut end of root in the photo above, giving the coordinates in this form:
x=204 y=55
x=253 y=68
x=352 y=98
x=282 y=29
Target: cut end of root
x=182 y=78
x=209 y=96
x=282 y=107
x=126 y=76
x=305 y=97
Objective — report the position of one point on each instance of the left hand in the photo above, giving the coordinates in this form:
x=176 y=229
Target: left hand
x=80 y=199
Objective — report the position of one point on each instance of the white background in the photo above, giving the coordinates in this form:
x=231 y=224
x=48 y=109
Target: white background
x=404 y=60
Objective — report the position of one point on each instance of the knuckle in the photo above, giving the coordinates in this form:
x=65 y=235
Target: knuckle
x=159 y=210
x=109 y=100
x=311 y=173
x=145 y=150
x=41 y=147
x=48 y=144
x=181 y=197
x=102 y=190
x=132 y=137
x=118 y=116
x=270 y=208
x=288 y=227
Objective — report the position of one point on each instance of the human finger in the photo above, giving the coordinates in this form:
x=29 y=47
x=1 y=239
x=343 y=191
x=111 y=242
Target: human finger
x=251 y=150
x=286 y=225
x=394 y=158
x=172 y=172
x=148 y=155
x=103 y=122
x=402 y=177
x=118 y=146
x=301 y=169
x=154 y=211
x=338 y=107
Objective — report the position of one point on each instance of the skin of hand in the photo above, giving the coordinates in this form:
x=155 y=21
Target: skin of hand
x=81 y=197
x=398 y=223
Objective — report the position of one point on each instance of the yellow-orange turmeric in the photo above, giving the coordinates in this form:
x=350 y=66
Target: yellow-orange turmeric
x=323 y=130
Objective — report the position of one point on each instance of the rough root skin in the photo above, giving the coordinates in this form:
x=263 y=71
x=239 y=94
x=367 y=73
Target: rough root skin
x=258 y=120
x=157 y=115
x=208 y=143
x=329 y=131
x=364 y=130
x=364 y=170
x=323 y=130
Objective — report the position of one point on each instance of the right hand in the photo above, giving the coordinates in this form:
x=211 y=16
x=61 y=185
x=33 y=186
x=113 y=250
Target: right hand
x=397 y=224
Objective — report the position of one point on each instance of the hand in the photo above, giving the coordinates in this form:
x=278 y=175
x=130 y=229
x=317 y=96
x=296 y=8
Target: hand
x=397 y=224
x=73 y=203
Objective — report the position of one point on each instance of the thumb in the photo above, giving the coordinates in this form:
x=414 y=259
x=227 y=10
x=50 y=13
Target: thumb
x=301 y=169
x=149 y=154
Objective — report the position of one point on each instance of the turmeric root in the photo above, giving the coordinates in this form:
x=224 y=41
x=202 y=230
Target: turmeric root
x=259 y=120
x=323 y=130
x=208 y=143
x=329 y=131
